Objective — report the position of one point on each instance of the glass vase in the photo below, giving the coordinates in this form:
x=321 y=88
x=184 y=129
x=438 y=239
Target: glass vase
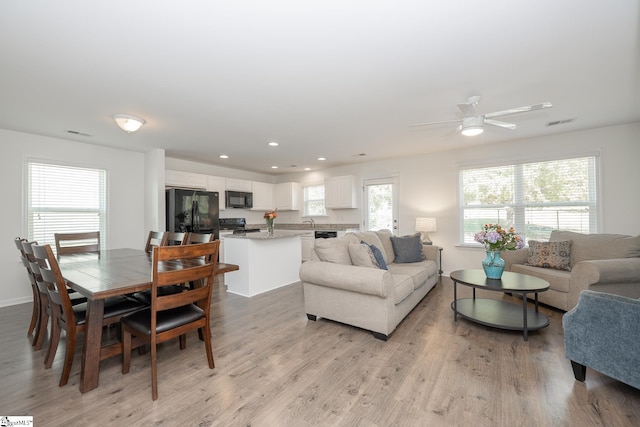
x=270 y=227
x=493 y=265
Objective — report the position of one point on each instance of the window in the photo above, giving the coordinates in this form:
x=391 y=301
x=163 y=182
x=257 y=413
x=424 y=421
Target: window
x=314 y=200
x=534 y=198
x=63 y=198
x=381 y=204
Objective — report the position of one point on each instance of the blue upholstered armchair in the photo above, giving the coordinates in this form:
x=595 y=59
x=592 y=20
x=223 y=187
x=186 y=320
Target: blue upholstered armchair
x=602 y=332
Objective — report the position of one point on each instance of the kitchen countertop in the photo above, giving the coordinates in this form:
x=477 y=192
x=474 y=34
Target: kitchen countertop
x=307 y=227
x=263 y=235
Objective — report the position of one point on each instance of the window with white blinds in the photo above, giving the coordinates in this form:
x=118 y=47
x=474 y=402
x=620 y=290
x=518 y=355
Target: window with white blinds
x=64 y=199
x=314 y=204
x=534 y=198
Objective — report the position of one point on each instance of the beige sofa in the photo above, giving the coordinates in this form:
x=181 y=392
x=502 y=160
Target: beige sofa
x=363 y=294
x=599 y=262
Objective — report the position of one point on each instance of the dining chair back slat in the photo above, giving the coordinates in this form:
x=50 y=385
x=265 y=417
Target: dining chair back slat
x=77 y=243
x=153 y=239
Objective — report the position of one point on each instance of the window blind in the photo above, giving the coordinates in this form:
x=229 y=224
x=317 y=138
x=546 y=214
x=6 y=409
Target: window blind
x=63 y=199
x=534 y=198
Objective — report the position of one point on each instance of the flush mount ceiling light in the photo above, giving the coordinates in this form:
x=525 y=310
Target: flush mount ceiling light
x=128 y=123
x=472 y=126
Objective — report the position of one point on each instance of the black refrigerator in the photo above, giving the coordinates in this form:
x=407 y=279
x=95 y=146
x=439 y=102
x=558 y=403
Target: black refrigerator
x=193 y=211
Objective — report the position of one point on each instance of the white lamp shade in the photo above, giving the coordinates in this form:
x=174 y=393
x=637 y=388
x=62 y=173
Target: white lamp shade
x=426 y=225
x=128 y=123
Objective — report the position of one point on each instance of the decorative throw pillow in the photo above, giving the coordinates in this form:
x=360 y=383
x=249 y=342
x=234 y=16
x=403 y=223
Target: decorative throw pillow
x=335 y=250
x=407 y=248
x=361 y=255
x=377 y=254
x=556 y=255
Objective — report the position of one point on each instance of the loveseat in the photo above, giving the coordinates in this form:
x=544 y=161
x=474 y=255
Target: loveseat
x=572 y=262
x=371 y=280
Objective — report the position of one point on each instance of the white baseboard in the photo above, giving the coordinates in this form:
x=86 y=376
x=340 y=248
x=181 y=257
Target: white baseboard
x=15 y=301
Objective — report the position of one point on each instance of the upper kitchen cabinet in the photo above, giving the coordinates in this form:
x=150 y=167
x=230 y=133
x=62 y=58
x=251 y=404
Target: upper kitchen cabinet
x=216 y=183
x=185 y=179
x=340 y=192
x=238 y=185
x=262 y=196
x=288 y=196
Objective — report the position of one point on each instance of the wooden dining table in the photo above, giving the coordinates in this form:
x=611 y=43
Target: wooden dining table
x=110 y=273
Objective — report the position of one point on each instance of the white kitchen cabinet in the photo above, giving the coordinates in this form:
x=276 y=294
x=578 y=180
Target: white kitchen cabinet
x=216 y=183
x=238 y=185
x=262 y=196
x=185 y=179
x=307 y=242
x=341 y=192
x=288 y=196
x=221 y=248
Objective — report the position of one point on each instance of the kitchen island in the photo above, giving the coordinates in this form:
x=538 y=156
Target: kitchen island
x=266 y=262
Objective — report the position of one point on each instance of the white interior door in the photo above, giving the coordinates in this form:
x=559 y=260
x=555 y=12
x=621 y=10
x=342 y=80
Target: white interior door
x=381 y=204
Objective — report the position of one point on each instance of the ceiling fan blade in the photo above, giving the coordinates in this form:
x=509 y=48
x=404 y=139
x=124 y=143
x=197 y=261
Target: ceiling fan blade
x=434 y=123
x=498 y=123
x=519 y=110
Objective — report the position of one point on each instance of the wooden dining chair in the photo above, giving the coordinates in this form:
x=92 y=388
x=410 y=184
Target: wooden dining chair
x=171 y=316
x=169 y=238
x=154 y=239
x=199 y=238
x=35 y=309
x=77 y=243
x=173 y=238
x=65 y=315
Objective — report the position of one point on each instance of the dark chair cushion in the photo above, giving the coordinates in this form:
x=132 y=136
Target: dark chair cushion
x=168 y=319
x=113 y=306
x=145 y=296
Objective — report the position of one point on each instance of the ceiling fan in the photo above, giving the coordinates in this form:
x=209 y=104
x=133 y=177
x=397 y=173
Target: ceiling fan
x=473 y=123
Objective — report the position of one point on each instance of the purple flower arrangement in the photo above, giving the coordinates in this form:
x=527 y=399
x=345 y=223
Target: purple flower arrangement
x=496 y=238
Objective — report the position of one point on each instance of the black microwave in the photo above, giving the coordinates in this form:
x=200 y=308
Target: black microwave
x=239 y=199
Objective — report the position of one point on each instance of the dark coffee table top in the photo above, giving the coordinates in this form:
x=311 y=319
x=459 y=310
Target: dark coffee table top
x=510 y=282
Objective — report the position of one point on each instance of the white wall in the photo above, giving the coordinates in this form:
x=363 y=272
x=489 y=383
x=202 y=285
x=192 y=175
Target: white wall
x=126 y=195
x=428 y=184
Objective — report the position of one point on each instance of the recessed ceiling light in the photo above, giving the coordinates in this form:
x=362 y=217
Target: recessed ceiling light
x=272 y=144
x=321 y=158
x=274 y=167
x=307 y=169
x=223 y=156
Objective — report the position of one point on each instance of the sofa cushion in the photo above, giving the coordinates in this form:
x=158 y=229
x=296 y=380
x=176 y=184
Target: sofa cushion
x=334 y=250
x=377 y=254
x=586 y=247
x=361 y=255
x=407 y=248
x=418 y=273
x=370 y=237
x=402 y=287
x=559 y=280
x=556 y=255
x=385 y=238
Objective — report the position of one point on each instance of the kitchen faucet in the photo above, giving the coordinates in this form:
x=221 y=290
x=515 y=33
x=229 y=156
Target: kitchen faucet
x=310 y=221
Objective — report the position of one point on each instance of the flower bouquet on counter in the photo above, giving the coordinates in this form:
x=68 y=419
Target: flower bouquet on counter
x=269 y=216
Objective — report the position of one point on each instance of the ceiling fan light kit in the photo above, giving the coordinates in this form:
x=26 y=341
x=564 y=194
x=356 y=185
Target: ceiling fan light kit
x=473 y=123
x=472 y=126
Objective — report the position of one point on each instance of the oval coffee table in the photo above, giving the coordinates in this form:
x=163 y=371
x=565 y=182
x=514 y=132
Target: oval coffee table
x=498 y=313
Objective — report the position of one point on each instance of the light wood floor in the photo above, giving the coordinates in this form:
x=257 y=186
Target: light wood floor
x=276 y=368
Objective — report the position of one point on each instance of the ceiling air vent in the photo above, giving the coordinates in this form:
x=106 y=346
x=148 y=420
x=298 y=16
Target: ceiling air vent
x=75 y=132
x=561 y=122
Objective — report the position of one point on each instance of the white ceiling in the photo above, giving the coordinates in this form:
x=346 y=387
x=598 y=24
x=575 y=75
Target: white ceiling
x=323 y=78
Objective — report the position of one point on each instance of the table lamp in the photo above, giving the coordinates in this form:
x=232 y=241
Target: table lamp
x=426 y=226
